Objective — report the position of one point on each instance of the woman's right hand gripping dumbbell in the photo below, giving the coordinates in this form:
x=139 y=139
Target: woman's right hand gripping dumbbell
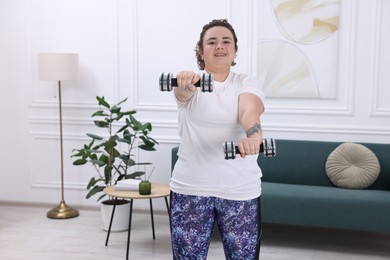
x=186 y=85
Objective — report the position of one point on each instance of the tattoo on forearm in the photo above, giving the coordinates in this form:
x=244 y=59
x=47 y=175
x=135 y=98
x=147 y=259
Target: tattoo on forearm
x=253 y=130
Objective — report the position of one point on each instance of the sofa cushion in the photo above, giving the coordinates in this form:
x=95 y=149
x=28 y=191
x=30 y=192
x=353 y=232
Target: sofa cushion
x=353 y=166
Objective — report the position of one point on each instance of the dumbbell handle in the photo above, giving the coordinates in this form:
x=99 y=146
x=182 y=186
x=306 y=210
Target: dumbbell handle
x=174 y=83
x=167 y=81
x=231 y=150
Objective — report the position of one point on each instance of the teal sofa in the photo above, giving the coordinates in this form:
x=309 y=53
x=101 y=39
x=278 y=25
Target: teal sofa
x=297 y=191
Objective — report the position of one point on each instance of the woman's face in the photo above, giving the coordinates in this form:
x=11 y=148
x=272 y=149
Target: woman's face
x=218 y=48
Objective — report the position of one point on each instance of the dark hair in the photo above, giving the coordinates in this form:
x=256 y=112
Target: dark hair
x=199 y=45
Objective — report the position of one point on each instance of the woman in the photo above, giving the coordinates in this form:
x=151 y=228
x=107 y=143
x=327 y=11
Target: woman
x=205 y=187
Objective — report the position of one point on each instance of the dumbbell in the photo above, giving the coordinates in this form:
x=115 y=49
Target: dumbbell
x=167 y=81
x=267 y=147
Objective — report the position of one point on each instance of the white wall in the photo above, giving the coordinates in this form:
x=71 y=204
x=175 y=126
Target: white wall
x=124 y=46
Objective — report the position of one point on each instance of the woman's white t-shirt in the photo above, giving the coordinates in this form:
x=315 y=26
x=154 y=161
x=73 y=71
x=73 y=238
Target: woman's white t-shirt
x=205 y=123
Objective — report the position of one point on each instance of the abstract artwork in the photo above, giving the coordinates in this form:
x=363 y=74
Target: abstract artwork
x=297 y=48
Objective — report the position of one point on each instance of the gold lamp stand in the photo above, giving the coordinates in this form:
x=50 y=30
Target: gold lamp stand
x=62 y=211
x=59 y=66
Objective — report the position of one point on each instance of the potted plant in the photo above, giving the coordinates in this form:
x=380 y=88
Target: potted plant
x=112 y=155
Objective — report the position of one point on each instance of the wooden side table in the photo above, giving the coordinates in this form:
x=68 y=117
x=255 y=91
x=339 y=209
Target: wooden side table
x=158 y=191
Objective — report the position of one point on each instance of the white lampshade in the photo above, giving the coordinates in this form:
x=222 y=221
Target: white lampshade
x=58 y=66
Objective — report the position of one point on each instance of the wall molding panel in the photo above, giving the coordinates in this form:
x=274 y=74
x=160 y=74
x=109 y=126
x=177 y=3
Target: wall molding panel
x=55 y=121
x=327 y=129
x=46 y=173
x=323 y=111
x=154 y=107
x=380 y=54
x=53 y=104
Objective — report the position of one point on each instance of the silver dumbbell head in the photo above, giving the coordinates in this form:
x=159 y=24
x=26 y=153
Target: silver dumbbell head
x=269 y=147
x=207 y=82
x=165 y=81
x=229 y=150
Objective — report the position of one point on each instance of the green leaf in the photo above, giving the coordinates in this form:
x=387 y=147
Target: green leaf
x=146 y=127
x=78 y=153
x=99 y=113
x=134 y=175
x=127 y=135
x=94 y=190
x=122 y=101
x=143 y=163
x=127 y=160
x=93 y=157
x=116 y=153
x=98 y=163
x=127 y=113
x=124 y=156
x=134 y=123
x=122 y=128
x=122 y=140
x=95 y=137
x=134 y=120
x=100 y=123
x=80 y=162
x=121 y=177
x=146 y=147
x=118 y=117
x=102 y=102
x=107 y=174
x=111 y=160
x=95 y=149
x=152 y=140
x=103 y=158
x=115 y=109
x=109 y=146
x=113 y=138
x=146 y=141
x=91 y=143
x=92 y=182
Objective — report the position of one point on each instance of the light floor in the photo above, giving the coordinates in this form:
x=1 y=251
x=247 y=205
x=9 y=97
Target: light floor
x=26 y=233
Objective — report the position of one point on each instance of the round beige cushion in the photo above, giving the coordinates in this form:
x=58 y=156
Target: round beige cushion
x=352 y=166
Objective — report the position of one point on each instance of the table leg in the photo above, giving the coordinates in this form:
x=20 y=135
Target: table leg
x=151 y=215
x=166 y=203
x=112 y=217
x=129 y=230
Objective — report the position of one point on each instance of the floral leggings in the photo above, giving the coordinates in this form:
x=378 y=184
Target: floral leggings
x=192 y=223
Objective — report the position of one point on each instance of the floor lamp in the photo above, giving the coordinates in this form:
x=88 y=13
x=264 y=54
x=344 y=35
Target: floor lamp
x=59 y=67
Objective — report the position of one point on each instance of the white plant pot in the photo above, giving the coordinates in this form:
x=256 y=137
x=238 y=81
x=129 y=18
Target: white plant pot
x=121 y=217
